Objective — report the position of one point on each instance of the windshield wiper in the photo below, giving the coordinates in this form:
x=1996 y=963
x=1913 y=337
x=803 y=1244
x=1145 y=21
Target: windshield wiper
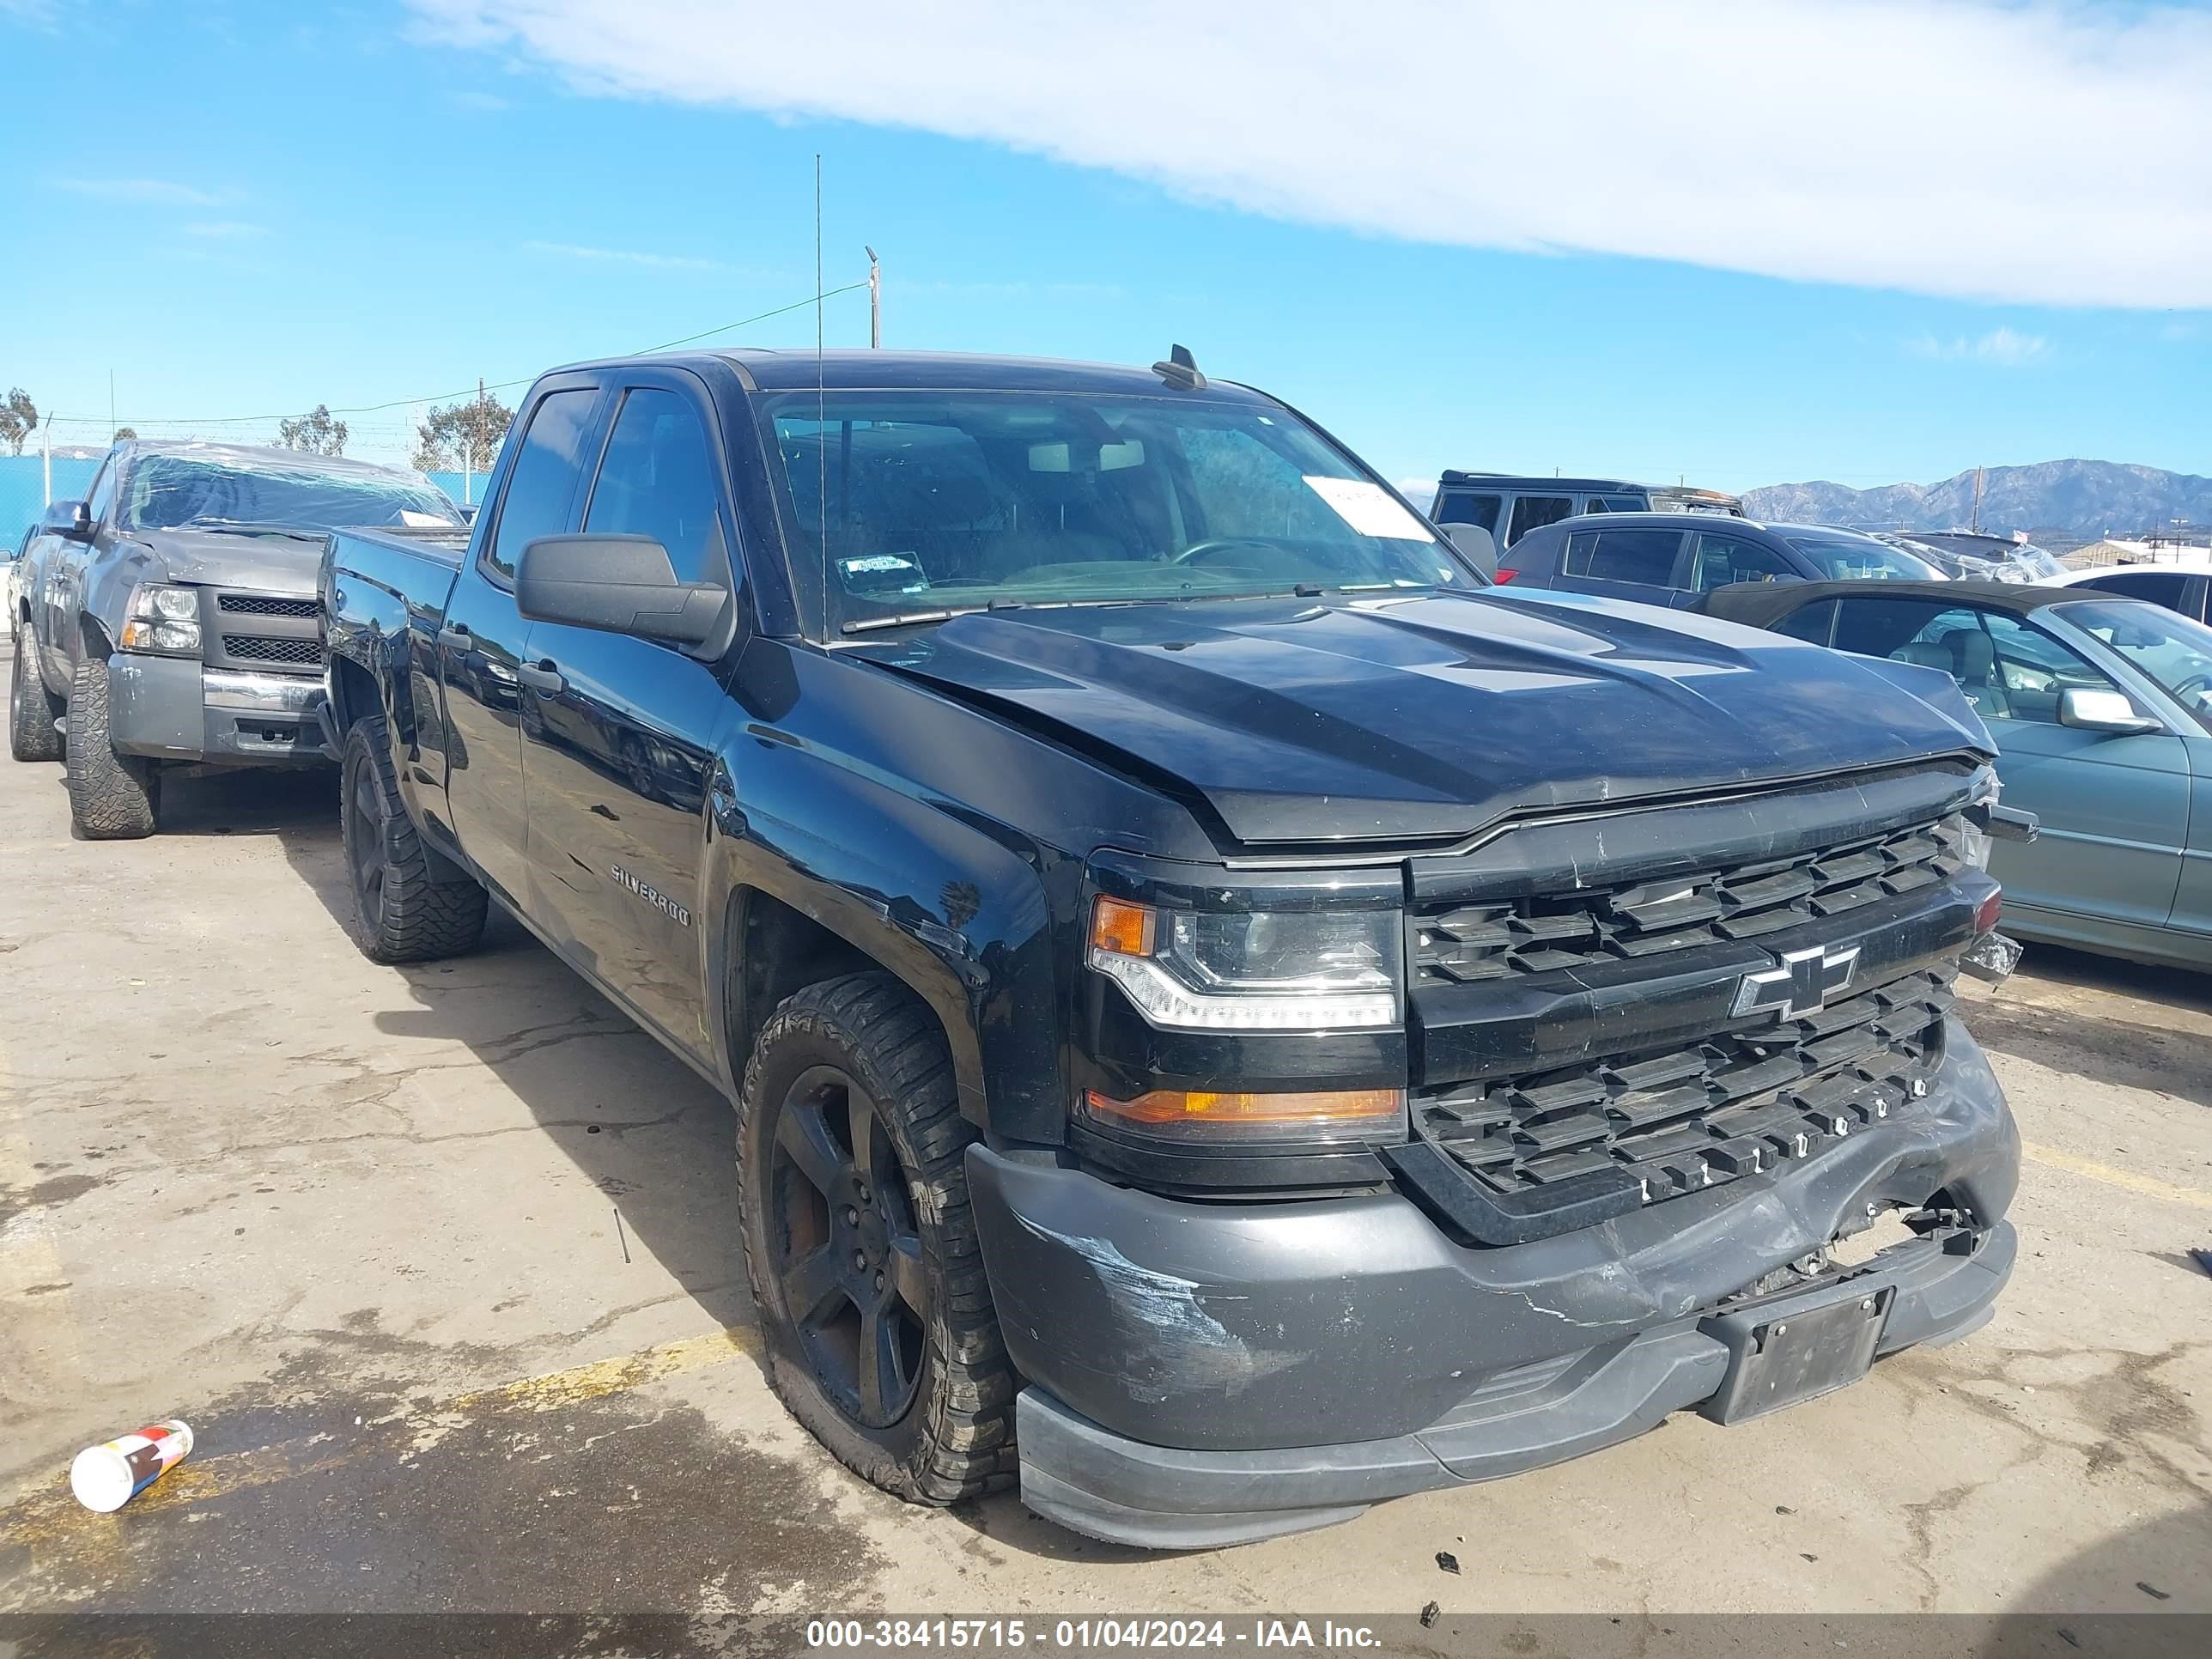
x=255 y=526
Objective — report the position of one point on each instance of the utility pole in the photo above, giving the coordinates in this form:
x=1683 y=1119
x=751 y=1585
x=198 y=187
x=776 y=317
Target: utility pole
x=1978 y=501
x=46 y=488
x=875 y=298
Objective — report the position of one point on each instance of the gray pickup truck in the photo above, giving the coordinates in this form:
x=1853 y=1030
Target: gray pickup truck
x=170 y=617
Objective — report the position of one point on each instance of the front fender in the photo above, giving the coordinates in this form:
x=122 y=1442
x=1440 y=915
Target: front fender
x=111 y=574
x=957 y=909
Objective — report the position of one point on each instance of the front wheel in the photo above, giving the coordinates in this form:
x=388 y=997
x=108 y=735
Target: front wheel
x=32 y=711
x=403 y=910
x=112 y=796
x=861 y=1246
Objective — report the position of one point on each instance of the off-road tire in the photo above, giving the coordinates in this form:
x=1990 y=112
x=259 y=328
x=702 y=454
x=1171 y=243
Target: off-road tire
x=112 y=796
x=956 y=1438
x=32 y=710
x=408 y=913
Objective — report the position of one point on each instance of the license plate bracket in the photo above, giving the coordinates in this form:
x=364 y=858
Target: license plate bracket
x=1785 y=1352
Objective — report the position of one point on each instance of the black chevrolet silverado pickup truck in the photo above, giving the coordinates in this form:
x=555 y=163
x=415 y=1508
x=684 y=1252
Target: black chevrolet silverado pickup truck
x=1229 y=1018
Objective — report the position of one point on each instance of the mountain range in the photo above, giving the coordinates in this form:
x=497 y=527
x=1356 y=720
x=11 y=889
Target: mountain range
x=2080 y=499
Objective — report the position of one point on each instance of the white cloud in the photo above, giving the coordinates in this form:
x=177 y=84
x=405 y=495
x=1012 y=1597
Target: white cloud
x=622 y=256
x=2000 y=345
x=2049 y=151
x=150 y=192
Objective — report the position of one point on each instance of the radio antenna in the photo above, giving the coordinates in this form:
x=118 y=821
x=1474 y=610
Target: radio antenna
x=820 y=405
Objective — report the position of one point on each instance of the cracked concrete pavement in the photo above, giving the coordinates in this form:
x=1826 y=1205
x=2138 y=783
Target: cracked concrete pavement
x=442 y=1265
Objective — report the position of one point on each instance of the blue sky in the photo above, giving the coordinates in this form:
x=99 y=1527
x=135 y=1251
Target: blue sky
x=240 y=212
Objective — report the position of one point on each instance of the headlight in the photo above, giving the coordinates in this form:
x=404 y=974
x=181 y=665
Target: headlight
x=1306 y=970
x=164 y=619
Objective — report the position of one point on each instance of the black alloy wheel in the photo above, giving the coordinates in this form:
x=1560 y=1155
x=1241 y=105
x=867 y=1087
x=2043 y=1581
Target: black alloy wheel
x=849 y=1254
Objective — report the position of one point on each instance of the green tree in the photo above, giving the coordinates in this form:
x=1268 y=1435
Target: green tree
x=314 y=432
x=123 y=432
x=464 y=436
x=19 y=418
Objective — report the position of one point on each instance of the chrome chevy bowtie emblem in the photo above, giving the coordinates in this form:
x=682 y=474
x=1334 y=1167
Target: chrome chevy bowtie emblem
x=1801 y=985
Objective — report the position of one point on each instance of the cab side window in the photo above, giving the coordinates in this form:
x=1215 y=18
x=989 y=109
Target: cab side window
x=542 y=485
x=658 y=479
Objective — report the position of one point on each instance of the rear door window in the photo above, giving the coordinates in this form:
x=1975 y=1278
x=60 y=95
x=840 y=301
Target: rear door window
x=542 y=487
x=658 y=478
x=1531 y=511
x=2164 y=588
x=1815 y=624
x=1470 y=507
x=1721 y=561
x=1645 y=556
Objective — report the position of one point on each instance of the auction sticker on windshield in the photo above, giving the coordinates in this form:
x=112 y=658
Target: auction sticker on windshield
x=1369 y=510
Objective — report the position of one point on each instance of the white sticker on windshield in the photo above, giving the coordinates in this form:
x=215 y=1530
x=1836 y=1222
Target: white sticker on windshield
x=1369 y=510
x=415 y=521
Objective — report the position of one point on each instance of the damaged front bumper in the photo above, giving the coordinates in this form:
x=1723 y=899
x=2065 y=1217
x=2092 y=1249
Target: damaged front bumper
x=173 y=708
x=1206 y=1373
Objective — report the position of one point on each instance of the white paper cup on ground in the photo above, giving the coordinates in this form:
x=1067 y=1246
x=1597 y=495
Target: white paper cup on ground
x=107 y=1477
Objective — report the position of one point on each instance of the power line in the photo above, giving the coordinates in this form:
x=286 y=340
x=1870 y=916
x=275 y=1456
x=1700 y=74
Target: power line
x=502 y=386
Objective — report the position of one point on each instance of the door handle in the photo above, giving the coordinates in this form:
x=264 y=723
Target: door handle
x=544 y=678
x=456 y=639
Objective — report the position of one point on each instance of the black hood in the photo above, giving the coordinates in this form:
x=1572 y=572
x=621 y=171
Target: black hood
x=1305 y=722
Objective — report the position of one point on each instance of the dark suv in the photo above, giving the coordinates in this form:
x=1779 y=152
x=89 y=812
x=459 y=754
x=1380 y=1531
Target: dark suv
x=1509 y=508
x=1668 y=558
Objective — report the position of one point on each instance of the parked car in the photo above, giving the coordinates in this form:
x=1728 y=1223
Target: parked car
x=1665 y=558
x=2179 y=585
x=1228 y=1016
x=171 y=616
x=2101 y=707
x=1509 y=508
x=1972 y=556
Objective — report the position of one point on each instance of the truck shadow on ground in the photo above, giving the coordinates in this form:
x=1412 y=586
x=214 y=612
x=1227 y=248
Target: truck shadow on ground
x=649 y=1133
x=2089 y=1038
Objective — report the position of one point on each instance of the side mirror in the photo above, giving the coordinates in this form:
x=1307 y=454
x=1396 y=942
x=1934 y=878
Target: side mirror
x=1478 y=543
x=2087 y=709
x=619 y=584
x=71 y=520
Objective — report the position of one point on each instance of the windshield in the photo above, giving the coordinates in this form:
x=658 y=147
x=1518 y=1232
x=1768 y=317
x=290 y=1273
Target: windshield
x=2170 y=650
x=166 y=491
x=1864 y=559
x=954 y=501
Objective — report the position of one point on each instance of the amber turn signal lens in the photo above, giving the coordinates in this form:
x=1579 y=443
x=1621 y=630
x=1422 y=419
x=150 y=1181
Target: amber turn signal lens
x=1123 y=928
x=1198 y=1108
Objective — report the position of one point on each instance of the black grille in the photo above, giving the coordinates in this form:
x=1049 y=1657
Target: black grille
x=251 y=647
x=1459 y=943
x=265 y=605
x=1685 y=1118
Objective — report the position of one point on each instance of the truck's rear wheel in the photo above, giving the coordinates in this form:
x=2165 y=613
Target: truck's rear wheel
x=867 y=1273
x=32 y=710
x=112 y=796
x=402 y=910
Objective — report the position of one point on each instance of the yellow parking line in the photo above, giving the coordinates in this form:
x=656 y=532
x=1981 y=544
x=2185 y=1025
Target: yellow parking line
x=606 y=1377
x=2148 y=1186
